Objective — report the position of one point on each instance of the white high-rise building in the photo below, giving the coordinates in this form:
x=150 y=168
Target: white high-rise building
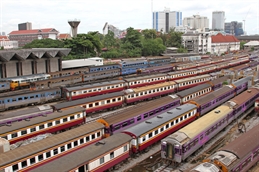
x=196 y=22
x=218 y=20
x=164 y=20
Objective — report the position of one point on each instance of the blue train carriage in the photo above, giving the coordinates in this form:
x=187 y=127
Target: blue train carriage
x=131 y=67
x=104 y=67
x=180 y=145
x=35 y=97
x=4 y=86
x=158 y=61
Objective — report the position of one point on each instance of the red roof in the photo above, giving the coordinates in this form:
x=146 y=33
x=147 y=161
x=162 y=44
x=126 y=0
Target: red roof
x=33 y=31
x=64 y=36
x=219 y=38
x=4 y=38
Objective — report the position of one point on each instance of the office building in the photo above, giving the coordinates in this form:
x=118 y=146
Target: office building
x=165 y=20
x=218 y=20
x=25 y=26
x=234 y=28
x=196 y=22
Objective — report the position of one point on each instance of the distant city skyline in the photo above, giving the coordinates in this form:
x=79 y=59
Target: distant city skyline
x=129 y=13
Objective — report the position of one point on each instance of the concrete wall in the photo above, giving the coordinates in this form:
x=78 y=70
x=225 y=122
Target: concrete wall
x=26 y=67
x=11 y=69
x=41 y=65
x=54 y=64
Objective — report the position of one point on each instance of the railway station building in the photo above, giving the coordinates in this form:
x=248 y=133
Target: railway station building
x=31 y=61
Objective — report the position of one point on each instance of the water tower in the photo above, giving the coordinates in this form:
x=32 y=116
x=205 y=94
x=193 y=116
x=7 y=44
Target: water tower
x=74 y=24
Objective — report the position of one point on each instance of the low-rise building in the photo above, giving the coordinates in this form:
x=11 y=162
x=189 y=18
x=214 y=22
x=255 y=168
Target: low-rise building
x=221 y=43
x=5 y=43
x=197 y=42
x=26 y=36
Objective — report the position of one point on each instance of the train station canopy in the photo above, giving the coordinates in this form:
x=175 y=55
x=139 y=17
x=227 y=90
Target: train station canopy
x=35 y=53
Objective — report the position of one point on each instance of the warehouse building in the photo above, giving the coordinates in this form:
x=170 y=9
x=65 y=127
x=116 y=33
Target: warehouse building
x=31 y=61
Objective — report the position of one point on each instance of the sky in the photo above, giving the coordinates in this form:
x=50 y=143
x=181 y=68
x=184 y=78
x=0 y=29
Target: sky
x=122 y=14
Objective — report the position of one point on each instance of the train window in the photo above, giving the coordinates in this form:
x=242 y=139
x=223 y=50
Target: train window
x=62 y=148
x=72 y=117
x=156 y=132
x=102 y=160
x=145 y=115
x=41 y=127
x=32 y=160
x=185 y=116
x=14 y=135
x=24 y=164
x=167 y=126
x=48 y=154
x=119 y=98
x=69 y=146
x=23 y=132
x=98 y=134
x=90 y=105
x=125 y=148
x=111 y=155
x=15 y=167
x=109 y=101
x=40 y=157
x=97 y=104
x=124 y=124
x=55 y=151
x=138 y=118
x=93 y=136
x=161 y=129
x=132 y=121
x=20 y=98
x=57 y=122
x=150 y=135
x=50 y=124
x=113 y=100
x=64 y=119
x=33 y=129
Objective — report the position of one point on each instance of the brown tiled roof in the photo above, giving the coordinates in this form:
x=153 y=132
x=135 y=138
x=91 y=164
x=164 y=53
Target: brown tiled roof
x=4 y=38
x=219 y=38
x=64 y=36
x=33 y=31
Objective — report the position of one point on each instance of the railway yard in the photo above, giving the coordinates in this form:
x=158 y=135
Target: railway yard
x=142 y=115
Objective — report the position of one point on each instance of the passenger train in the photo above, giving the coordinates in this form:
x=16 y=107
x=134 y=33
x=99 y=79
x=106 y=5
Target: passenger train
x=183 y=143
x=137 y=138
x=93 y=73
x=239 y=155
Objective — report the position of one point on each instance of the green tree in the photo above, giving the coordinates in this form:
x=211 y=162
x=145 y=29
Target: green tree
x=174 y=39
x=182 y=50
x=84 y=44
x=109 y=41
x=133 y=37
x=153 y=47
x=45 y=43
x=242 y=43
x=149 y=33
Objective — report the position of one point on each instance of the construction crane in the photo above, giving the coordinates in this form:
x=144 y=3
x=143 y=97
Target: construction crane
x=245 y=20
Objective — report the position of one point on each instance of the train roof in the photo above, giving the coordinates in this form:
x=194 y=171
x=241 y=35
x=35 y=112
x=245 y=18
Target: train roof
x=86 y=86
x=244 y=144
x=154 y=122
x=242 y=81
x=193 y=90
x=158 y=67
x=20 y=112
x=219 y=80
x=132 y=61
x=85 y=154
x=27 y=93
x=149 y=87
x=240 y=67
x=26 y=76
x=205 y=167
x=58 y=78
x=101 y=66
x=191 y=78
x=243 y=97
x=38 y=120
x=36 y=147
x=86 y=100
x=184 y=71
x=139 y=109
x=144 y=77
x=204 y=123
x=213 y=95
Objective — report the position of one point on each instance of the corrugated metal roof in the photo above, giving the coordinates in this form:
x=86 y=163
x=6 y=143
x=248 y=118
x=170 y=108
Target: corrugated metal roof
x=244 y=144
x=95 y=85
x=86 y=100
x=144 y=77
x=79 y=63
x=154 y=86
x=154 y=122
x=36 y=147
x=191 y=78
x=139 y=109
x=213 y=95
x=193 y=90
x=33 y=121
x=205 y=122
x=84 y=155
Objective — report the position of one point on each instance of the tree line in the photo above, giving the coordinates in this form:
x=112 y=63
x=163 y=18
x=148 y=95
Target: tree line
x=149 y=42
